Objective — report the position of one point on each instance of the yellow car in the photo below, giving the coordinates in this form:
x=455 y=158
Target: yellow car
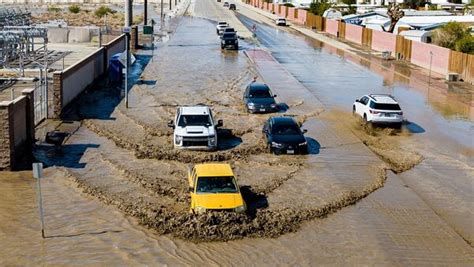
x=213 y=187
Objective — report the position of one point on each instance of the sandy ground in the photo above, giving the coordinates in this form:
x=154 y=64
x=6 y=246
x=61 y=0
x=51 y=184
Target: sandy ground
x=339 y=205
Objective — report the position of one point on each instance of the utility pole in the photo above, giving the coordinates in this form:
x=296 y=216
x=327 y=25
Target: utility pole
x=145 y=13
x=128 y=13
x=161 y=15
x=170 y=4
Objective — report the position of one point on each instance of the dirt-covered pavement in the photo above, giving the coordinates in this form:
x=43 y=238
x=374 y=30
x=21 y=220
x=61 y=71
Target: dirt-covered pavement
x=341 y=204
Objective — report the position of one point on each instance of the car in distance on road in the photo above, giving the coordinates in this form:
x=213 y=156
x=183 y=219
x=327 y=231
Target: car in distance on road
x=226 y=4
x=221 y=25
x=229 y=39
x=229 y=29
x=379 y=109
x=280 y=22
x=232 y=7
x=213 y=188
x=283 y=135
x=258 y=98
x=195 y=128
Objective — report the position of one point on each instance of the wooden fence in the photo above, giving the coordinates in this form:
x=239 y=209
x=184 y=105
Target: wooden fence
x=403 y=48
x=315 y=22
x=463 y=64
x=367 y=37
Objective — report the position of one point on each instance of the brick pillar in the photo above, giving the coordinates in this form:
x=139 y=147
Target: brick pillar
x=57 y=94
x=6 y=135
x=30 y=116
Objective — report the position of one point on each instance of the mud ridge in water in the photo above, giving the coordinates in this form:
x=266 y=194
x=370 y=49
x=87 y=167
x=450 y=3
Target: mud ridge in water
x=384 y=142
x=381 y=142
x=218 y=226
x=168 y=153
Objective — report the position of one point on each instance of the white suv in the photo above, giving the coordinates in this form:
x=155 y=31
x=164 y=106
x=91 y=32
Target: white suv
x=195 y=128
x=379 y=109
x=221 y=25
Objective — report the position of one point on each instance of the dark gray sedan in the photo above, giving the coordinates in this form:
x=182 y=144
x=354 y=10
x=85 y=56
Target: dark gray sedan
x=258 y=98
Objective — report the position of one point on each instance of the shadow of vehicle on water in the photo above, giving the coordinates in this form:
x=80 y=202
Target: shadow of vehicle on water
x=253 y=200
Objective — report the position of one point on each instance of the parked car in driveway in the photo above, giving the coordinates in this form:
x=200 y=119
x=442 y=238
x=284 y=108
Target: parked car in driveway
x=221 y=25
x=226 y=4
x=280 y=22
x=229 y=39
x=213 y=187
x=379 y=109
x=232 y=7
x=283 y=135
x=258 y=98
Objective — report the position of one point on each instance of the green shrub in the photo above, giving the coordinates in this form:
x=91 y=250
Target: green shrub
x=318 y=8
x=102 y=11
x=449 y=34
x=54 y=9
x=465 y=45
x=74 y=9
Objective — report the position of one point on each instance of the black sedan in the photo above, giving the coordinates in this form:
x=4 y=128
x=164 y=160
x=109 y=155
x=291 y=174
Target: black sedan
x=259 y=99
x=284 y=135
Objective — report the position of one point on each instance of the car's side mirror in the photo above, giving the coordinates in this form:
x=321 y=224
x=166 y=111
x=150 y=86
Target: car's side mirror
x=171 y=124
x=357 y=100
x=220 y=123
x=305 y=131
x=274 y=95
x=190 y=189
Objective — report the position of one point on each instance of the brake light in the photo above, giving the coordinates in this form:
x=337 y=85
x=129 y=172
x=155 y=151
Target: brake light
x=374 y=112
x=400 y=113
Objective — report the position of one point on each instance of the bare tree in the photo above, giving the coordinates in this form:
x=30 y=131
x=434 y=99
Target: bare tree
x=395 y=15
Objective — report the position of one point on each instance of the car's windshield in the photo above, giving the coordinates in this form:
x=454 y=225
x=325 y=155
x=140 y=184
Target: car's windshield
x=194 y=120
x=221 y=184
x=384 y=106
x=286 y=129
x=259 y=94
x=222 y=23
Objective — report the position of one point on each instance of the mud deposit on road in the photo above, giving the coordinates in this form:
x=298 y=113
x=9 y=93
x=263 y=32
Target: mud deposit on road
x=125 y=157
x=147 y=143
x=383 y=141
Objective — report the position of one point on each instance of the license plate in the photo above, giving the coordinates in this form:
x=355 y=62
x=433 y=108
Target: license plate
x=388 y=115
x=262 y=109
x=290 y=151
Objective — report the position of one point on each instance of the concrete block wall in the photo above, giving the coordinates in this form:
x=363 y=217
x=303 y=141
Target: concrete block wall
x=384 y=41
x=71 y=82
x=353 y=33
x=421 y=56
x=332 y=27
x=16 y=131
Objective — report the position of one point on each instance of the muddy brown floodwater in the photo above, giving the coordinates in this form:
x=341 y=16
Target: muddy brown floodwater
x=140 y=172
x=123 y=159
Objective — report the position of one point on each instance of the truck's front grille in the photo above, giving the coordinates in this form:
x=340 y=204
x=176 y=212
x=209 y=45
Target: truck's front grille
x=195 y=141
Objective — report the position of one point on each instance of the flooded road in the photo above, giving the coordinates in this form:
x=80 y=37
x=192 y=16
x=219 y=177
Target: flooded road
x=118 y=193
x=440 y=116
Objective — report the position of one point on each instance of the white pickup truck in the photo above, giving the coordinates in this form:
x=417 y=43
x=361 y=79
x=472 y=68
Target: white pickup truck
x=195 y=128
